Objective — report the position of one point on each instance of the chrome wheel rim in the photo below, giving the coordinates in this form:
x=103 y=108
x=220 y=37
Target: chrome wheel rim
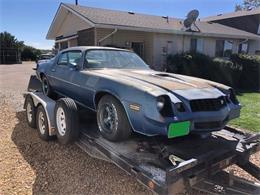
x=29 y=112
x=45 y=86
x=61 y=121
x=41 y=122
x=108 y=118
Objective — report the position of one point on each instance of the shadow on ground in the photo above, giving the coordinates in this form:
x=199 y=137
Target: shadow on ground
x=67 y=169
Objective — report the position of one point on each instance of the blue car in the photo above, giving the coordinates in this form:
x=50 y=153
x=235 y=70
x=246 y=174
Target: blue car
x=128 y=96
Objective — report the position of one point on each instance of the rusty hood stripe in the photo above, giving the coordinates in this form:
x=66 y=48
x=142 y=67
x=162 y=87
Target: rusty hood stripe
x=164 y=80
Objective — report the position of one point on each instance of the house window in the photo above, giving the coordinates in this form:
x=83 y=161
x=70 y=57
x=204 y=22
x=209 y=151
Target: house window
x=223 y=48
x=196 y=45
x=243 y=48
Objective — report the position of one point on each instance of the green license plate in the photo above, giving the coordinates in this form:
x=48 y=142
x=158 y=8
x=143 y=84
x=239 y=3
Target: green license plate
x=178 y=129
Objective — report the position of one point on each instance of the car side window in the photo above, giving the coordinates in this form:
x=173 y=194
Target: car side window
x=95 y=58
x=74 y=57
x=63 y=59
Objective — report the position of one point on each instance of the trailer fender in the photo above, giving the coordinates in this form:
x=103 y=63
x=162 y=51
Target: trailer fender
x=48 y=105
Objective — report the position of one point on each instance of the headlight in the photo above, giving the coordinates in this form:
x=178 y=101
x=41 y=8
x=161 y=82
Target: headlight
x=160 y=103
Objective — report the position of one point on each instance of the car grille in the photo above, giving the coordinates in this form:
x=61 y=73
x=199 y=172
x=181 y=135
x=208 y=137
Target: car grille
x=207 y=104
x=208 y=125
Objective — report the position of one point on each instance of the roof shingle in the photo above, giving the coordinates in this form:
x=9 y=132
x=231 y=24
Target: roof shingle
x=157 y=23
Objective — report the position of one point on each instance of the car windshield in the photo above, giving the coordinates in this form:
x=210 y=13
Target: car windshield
x=113 y=59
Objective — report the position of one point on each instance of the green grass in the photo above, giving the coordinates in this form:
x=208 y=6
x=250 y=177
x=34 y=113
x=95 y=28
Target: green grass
x=250 y=113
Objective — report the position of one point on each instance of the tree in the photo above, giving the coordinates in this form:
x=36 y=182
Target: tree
x=248 y=5
x=30 y=53
x=9 y=41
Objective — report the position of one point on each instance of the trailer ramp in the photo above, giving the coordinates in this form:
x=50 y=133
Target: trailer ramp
x=181 y=164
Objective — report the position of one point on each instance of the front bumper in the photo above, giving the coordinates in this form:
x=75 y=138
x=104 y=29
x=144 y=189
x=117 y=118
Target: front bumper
x=200 y=122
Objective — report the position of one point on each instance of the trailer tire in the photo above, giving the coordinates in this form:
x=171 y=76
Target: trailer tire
x=42 y=123
x=121 y=128
x=30 y=111
x=66 y=120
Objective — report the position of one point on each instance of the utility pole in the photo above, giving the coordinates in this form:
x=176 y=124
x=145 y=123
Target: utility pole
x=76 y=2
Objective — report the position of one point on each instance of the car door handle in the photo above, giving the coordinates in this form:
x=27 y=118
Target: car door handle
x=53 y=69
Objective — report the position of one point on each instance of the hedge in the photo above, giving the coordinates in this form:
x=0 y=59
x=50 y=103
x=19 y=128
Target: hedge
x=240 y=71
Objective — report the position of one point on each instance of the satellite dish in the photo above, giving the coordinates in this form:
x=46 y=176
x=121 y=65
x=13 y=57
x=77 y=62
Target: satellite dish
x=193 y=14
x=187 y=23
x=191 y=18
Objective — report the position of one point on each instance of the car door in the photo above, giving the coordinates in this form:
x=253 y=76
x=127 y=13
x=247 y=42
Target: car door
x=73 y=75
x=64 y=73
x=56 y=72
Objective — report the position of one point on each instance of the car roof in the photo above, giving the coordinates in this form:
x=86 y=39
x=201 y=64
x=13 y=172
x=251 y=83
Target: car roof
x=84 y=48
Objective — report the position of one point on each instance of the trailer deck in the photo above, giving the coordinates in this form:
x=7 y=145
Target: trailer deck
x=170 y=166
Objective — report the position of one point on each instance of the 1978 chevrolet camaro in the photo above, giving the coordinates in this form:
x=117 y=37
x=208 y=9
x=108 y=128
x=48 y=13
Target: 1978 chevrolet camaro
x=128 y=96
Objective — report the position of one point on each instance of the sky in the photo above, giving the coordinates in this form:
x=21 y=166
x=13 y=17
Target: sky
x=29 y=20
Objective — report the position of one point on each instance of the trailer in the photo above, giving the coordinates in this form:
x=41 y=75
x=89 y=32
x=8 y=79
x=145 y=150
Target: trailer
x=167 y=166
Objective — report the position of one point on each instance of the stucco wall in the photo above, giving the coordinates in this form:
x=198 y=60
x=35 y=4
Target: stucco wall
x=209 y=46
x=253 y=46
x=165 y=44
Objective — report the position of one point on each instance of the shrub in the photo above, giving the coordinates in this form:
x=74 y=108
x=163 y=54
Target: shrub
x=250 y=74
x=189 y=64
x=240 y=71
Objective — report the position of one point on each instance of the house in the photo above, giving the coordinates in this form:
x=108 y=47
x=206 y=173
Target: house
x=246 y=20
x=151 y=37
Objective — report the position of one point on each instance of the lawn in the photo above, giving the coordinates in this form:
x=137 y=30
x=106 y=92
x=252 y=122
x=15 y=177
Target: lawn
x=250 y=113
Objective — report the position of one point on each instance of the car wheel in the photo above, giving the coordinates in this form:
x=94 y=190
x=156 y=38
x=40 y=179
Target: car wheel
x=30 y=111
x=42 y=123
x=46 y=88
x=66 y=120
x=112 y=121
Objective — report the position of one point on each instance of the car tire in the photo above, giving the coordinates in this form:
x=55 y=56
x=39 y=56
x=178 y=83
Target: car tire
x=66 y=120
x=30 y=111
x=112 y=120
x=42 y=124
x=46 y=88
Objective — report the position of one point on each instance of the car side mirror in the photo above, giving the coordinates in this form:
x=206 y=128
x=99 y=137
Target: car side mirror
x=73 y=67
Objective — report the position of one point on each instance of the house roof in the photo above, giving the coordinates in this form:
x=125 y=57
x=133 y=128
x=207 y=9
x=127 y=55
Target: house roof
x=105 y=18
x=236 y=14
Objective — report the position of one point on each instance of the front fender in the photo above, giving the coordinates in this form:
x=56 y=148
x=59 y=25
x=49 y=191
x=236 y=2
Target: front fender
x=130 y=97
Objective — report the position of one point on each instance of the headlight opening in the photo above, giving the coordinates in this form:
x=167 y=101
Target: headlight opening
x=164 y=106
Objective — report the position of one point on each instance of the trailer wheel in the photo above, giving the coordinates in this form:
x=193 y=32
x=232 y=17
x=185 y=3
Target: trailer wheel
x=42 y=123
x=112 y=121
x=30 y=111
x=66 y=120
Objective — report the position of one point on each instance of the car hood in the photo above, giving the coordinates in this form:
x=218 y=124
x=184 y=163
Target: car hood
x=163 y=80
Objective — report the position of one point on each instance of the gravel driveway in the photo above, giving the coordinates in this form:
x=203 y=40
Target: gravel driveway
x=29 y=165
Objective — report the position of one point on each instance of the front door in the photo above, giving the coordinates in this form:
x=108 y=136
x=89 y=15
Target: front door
x=138 y=48
x=65 y=74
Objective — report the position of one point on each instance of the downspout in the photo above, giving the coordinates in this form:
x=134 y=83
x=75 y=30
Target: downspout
x=107 y=36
